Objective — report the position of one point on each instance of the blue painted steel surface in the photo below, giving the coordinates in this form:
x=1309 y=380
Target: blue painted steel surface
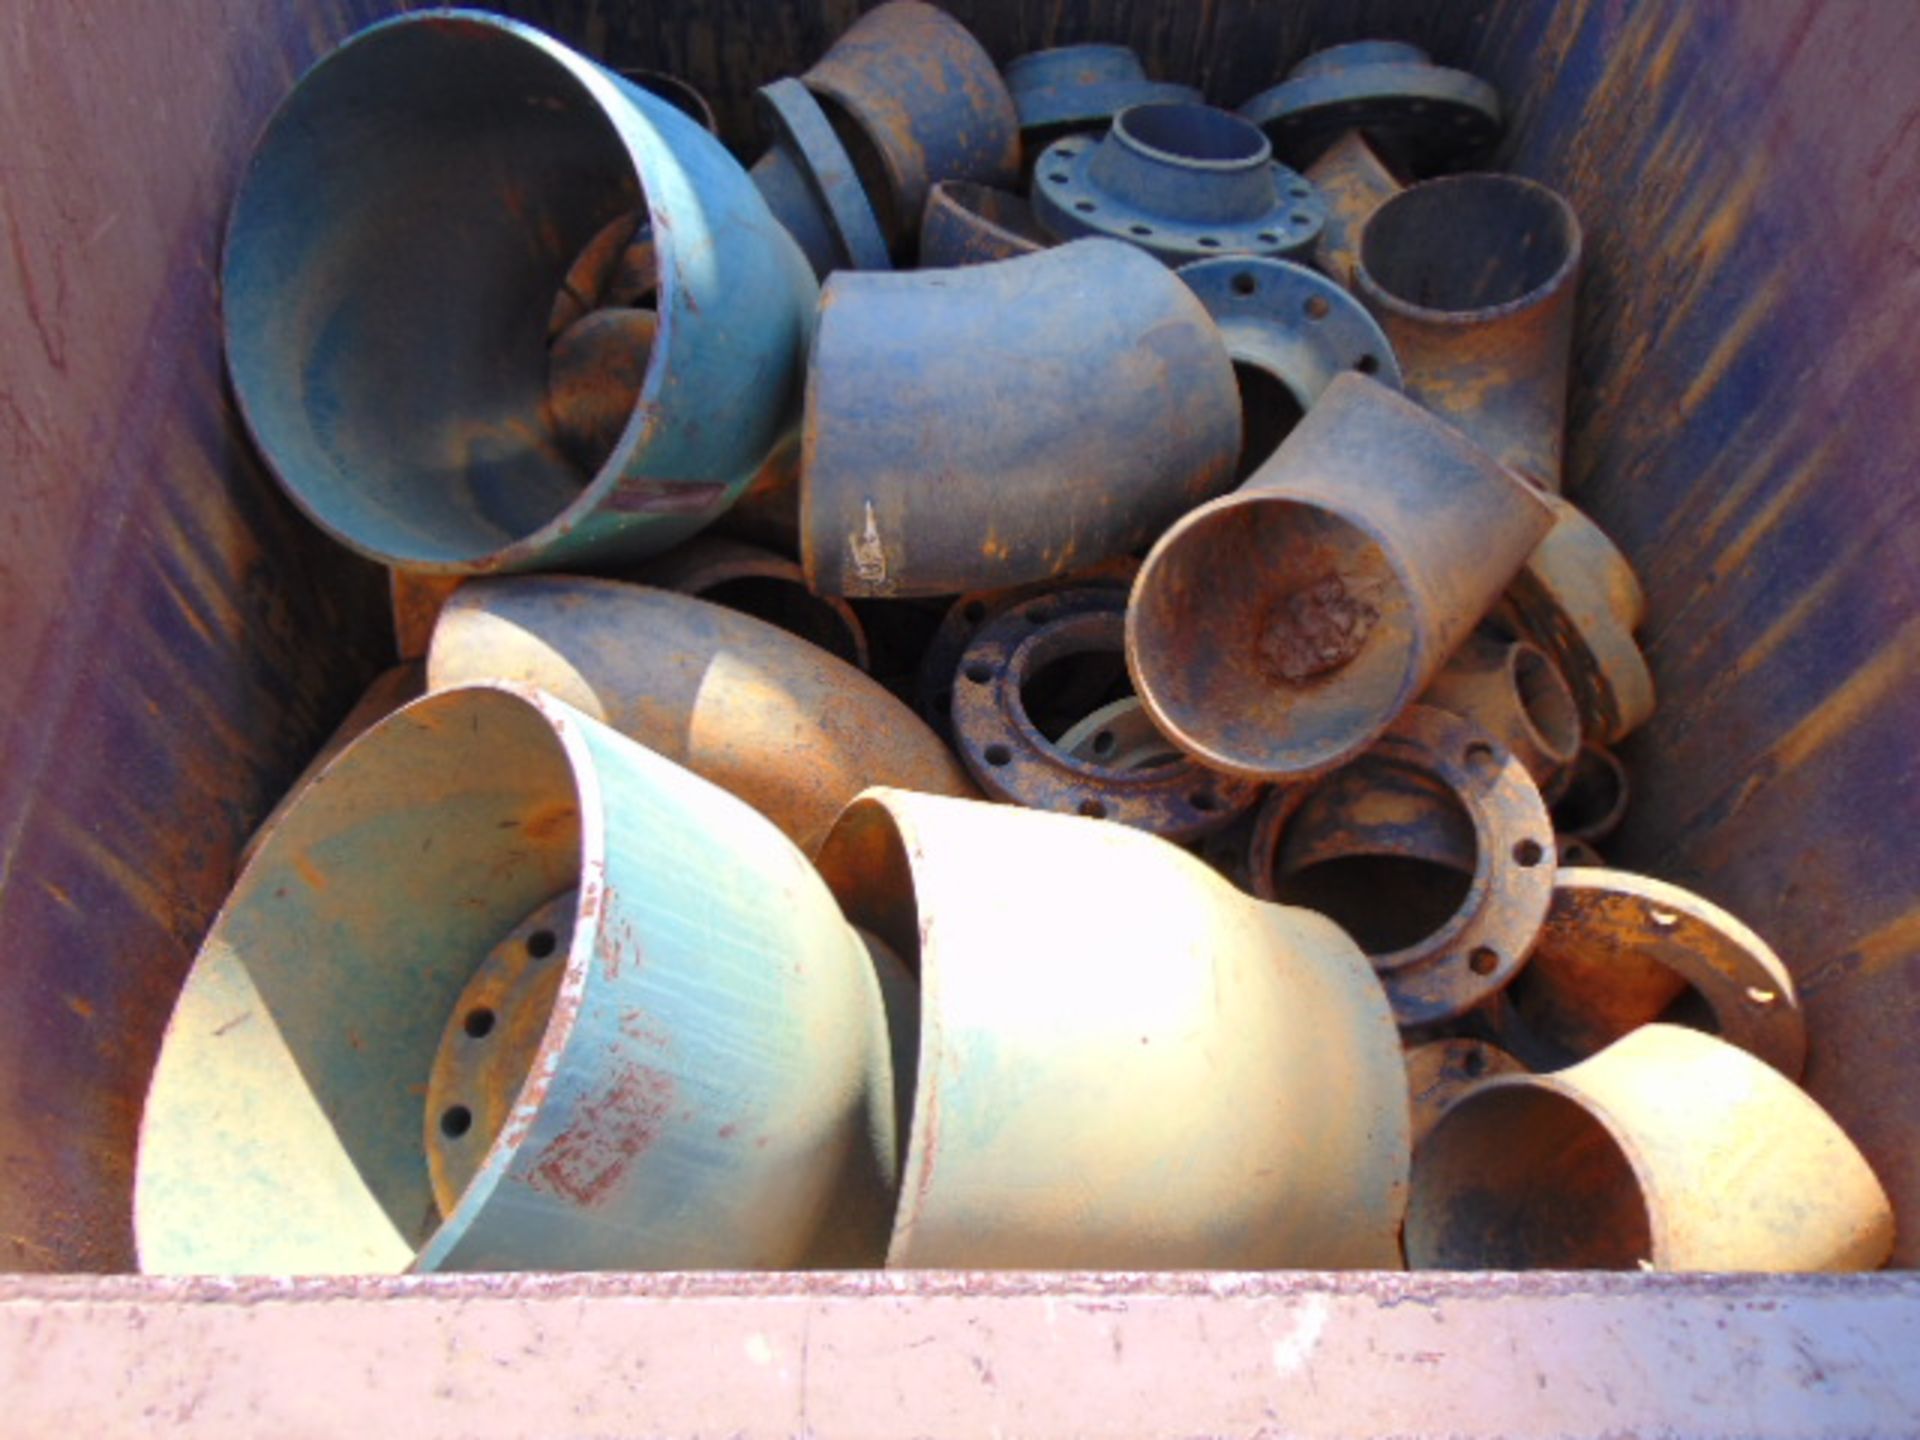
x=1183 y=182
x=713 y=1086
x=1072 y=88
x=393 y=257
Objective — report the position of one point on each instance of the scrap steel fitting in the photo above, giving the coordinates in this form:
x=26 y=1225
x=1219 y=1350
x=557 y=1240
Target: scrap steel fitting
x=1015 y=760
x=1069 y=1052
x=1669 y=1150
x=1439 y=1072
x=1424 y=115
x=782 y=724
x=812 y=184
x=1277 y=631
x=1591 y=794
x=1578 y=599
x=1615 y=952
x=1512 y=691
x=1074 y=89
x=968 y=224
x=1182 y=182
x=1481 y=945
x=398 y=389
x=1353 y=182
x=468 y=955
x=1473 y=279
x=767 y=586
x=1086 y=380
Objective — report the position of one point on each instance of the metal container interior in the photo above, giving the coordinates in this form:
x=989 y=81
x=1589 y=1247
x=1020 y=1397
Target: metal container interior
x=178 y=640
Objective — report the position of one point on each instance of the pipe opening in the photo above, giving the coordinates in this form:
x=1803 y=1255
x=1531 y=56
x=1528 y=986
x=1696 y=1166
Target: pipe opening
x=1192 y=134
x=791 y=607
x=1268 y=413
x=1469 y=243
x=1546 y=701
x=1516 y=1177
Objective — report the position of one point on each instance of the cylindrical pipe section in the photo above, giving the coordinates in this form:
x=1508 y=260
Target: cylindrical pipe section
x=1512 y=691
x=1473 y=279
x=1354 y=182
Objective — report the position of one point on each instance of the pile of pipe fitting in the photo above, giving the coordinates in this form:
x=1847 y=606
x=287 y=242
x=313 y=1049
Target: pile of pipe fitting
x=1086 y=752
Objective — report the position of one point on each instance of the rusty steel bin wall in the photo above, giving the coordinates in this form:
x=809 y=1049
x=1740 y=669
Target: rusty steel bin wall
x=177 y=641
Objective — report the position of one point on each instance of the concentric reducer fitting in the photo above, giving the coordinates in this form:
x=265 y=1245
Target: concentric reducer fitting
x=1142 y=1079
x=1669 y=1150
x=488 y=872
x=1277 y=631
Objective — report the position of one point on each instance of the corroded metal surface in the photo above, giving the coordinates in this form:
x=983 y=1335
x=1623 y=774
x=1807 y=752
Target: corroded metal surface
x=430 y=449
x=1479 y=948
x=780 y=723
x=1597 y=1167
x=1441 y=1071
x=1473 y=279
x=1015 y=760
x=1071 y=89
x=927 y=100
x=969 y=224
x=1353 y=182
x=1060 y=1075
x=596 y=369
x=762 y=584
x=1617 y=948
x=1085 y=379
x=1424 y=114
x=805 y=141
x=1513 y=692
x=1182 y=182
x=706 y=1084
x=1579 y=599
x=1277 y=631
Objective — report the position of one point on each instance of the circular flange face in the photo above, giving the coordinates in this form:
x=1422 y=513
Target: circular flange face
x=1014 y=761
x=804 y=126
x=1422 y=114
x=1120 y=736
x=1292 y=322
x=488 y=1043
x=1070 y=203
x=1441 y=1071
x=1599 y=915
x=1485 y=942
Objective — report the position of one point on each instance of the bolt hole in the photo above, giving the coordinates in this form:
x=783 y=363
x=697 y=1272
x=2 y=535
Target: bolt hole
x=979 y=674
x=1204 y=801
x=1086 y=207
x=1475 y=1065
x=1299 y=219
x=1140 y=230
x=479 y=1022
x=542 y=943
x=1483 y=961
x=1368 y=364
x=1480 y=758
x=1267 y=237
x=1059 y=177
x=1528 y=853
x=455 y=1121
x=1245 y=284
x=1093 y=809
x=1299 y=190
x=998 y=755
x=1209 y=242
x=1103 y=743
x=1317 y=307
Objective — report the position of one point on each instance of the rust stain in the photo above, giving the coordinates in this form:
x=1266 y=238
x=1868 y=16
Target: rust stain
x=310 y=872
x=1316 y=629
x=587 y=1161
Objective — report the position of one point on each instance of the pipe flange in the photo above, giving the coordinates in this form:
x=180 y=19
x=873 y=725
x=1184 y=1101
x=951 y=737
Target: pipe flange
x=1425 y=115
x=1441 y=1071
x=1602 y=915
x=1120 y=736
x=940 y=662
x=802 y=126
x=1182 y=182
x=1072 y=89
x=1014 y=761
x=1292 y=322
x=1485 y=942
